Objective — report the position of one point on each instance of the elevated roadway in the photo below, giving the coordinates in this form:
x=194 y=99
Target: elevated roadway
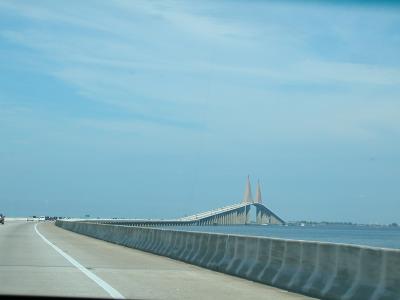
x=236 y=214
x=31 y=266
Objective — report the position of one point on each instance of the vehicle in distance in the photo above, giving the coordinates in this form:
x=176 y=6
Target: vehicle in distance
x=42 y=218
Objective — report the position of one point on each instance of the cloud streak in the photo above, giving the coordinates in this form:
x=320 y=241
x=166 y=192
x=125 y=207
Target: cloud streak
x=180 y=74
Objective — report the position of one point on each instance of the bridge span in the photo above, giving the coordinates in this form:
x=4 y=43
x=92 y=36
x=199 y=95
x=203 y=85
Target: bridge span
x=236 y=214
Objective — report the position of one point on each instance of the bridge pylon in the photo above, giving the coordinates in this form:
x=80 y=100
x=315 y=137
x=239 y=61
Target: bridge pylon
x=248 y=198
x=258 y=193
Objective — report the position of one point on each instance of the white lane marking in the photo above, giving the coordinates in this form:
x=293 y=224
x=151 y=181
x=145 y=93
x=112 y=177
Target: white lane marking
x=104 y=285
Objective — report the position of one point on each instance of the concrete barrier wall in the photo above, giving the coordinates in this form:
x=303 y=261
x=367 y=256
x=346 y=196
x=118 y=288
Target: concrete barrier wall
x=322 y=270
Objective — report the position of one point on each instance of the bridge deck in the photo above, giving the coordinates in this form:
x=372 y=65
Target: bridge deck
x=213 y=212
x=29 y=266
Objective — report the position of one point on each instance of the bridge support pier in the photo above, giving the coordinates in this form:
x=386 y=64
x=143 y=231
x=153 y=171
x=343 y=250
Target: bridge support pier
x=265 y=216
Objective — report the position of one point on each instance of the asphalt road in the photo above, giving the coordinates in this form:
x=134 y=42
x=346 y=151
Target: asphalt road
x=31 y=266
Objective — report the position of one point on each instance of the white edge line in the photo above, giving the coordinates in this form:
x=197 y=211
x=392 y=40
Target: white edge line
x=104 y=285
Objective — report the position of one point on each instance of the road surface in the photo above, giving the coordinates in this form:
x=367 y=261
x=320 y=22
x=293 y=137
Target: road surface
x=35 y=262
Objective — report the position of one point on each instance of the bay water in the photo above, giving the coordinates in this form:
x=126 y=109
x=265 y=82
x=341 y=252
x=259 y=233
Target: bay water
x=375 y=236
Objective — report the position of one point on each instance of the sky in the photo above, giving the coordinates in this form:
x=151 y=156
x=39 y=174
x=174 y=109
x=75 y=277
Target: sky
x=160 y=109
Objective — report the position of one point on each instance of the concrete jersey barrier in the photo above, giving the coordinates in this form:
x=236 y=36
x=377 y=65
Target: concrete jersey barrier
x=322 y=270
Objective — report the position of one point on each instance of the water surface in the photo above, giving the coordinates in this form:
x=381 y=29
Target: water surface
x=387 y=237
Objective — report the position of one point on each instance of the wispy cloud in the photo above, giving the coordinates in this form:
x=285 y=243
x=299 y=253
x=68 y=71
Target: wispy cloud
x=169 y=63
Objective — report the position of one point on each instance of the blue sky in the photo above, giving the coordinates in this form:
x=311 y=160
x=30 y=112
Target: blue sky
x=161 y=108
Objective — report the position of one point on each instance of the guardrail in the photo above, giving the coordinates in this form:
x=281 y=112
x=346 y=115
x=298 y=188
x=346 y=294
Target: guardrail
x=213 y=212
x=322 y=270
x=141 y=223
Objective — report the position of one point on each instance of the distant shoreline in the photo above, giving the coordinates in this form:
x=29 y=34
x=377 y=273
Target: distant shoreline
x=304 y=223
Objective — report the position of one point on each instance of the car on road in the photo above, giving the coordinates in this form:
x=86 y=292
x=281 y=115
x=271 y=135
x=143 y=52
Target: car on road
x=2 y=219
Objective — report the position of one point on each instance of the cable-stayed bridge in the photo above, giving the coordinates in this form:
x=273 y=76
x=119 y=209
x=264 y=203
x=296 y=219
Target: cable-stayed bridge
x=236 y=214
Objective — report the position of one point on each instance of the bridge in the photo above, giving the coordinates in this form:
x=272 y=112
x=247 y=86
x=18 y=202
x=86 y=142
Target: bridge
x=236 y=214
